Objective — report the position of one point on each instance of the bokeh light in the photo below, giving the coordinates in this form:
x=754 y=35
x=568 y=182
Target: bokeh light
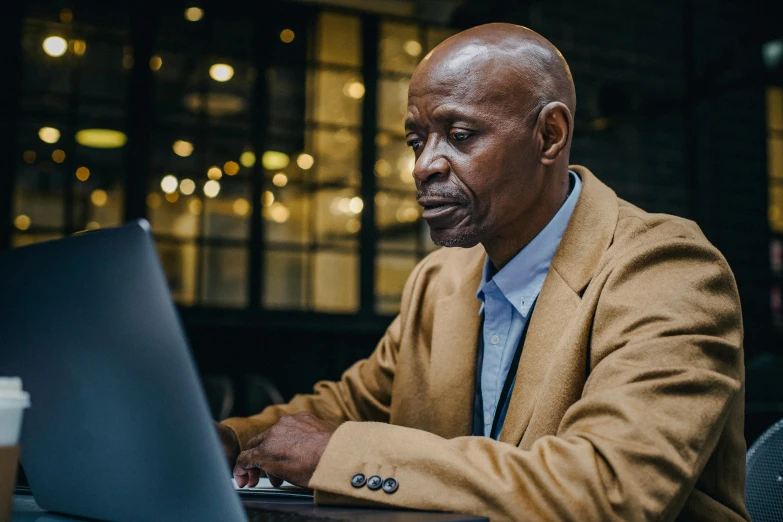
x=169 y=184
x=305 y=161
x=221 y=72
x=49 y=135
x=55 y=46
x=211 y=188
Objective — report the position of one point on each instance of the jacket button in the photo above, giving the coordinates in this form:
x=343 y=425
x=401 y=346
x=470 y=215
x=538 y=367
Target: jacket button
x=374 y=482
x=390 y=485
x=358 y=480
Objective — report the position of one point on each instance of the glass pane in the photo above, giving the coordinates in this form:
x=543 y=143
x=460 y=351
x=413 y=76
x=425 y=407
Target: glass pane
x=400 y=49
x=284 y=280
x=776 y=208
x=396 y=216
x=336 y=156
x=393 y=104
x=227 y=215
x=337 y=97
x=394 y=166
x=339 y=40
x=102 y=73
x=38 y=199
x=225 y=277
x=775 y=157
x=20 y=240
x=99 y=207
x=177 y=216
x=436 y=35
x=775 y=108
x=97 y=178
x=776 y=256
x=335 y=279
x=286 y=214
x=337 y=215
x=392 y=270
x=179 y=265
x=429 y=246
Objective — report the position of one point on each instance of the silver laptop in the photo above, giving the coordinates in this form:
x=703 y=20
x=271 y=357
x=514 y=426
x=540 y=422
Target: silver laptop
x=119 y=427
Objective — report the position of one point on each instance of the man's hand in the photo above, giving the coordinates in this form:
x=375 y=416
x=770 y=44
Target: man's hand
x=228 y=439
x=290 y=450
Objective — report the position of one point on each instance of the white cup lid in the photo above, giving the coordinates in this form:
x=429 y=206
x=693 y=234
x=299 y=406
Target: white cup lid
x=11 y=393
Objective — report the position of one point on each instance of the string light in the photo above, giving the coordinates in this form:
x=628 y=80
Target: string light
x=182 y=148
x=187 y=186
x=194 y=14
x=55 y=46
x=82 y=173
x=280 y=180
x=354 y=90
x=79 y=47
x=22 y=222
x=49 y=135
x=412 y=47
x=211 y=188
x=156 y=62
x=274 y=160
x=214 y=173
x=99 y=197
x=287 y=35
x=221 y=72
x=305 y=161
x=247 y=159
x=231 y=168
x=153 y=200
x=169 y=184
x=241 y=207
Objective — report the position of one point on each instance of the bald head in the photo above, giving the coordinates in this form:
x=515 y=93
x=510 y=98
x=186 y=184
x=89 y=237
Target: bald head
x=501 y=53
x=490 y=120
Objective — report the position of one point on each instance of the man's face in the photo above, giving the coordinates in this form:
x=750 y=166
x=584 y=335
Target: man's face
x=471 y=129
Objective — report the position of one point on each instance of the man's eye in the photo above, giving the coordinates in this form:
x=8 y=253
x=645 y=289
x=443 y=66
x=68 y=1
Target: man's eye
x=414 y=143
x=459 y=136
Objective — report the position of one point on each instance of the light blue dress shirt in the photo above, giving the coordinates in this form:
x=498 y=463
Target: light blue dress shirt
x=507 y=298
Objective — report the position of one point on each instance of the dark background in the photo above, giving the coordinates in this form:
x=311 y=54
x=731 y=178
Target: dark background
x=673 y=114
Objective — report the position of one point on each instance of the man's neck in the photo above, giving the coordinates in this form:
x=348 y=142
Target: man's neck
x=503 y=247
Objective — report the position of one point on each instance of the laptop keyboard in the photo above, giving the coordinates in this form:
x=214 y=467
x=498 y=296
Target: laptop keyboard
x=282 y=516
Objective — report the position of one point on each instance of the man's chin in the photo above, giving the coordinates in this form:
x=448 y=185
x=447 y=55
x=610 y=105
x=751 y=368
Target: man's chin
x=450 y=238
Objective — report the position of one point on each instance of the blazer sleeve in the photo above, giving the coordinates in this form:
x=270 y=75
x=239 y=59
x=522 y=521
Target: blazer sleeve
x=667 y=363
x=363 y=393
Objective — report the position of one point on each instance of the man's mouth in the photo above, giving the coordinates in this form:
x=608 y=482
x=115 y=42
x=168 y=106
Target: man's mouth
x=437 y=211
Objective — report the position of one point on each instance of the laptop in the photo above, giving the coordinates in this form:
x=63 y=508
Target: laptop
x=119 y=427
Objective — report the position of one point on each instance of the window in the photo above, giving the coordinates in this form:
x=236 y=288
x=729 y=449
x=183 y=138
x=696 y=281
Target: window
x=403 y=237
x=255 y=184
x=70 y=175
x=775 y=166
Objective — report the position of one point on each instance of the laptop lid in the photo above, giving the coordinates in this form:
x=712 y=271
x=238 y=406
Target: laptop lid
x=119 y=427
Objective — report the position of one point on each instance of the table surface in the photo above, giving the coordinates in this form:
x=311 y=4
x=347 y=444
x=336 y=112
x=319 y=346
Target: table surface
x=271 y=509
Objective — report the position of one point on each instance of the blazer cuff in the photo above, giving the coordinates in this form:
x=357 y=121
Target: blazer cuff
x=245 y=429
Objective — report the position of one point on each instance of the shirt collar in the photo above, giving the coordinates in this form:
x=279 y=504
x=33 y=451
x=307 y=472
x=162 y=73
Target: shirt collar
x=521 y=279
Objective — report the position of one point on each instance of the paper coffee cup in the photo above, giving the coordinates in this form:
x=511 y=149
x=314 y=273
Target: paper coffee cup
x=13 y=401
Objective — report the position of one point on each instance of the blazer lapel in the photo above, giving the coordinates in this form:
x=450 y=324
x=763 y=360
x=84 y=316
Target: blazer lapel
x=455 y=330
x=588 y=235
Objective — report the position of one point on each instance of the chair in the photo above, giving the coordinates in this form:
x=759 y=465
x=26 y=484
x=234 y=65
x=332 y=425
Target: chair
x=260 y=393
x=220 y=395
x=764 y=483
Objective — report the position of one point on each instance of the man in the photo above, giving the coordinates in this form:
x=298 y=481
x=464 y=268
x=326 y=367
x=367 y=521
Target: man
x=576 y=359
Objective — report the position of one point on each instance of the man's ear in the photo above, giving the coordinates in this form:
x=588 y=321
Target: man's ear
x=555 y=125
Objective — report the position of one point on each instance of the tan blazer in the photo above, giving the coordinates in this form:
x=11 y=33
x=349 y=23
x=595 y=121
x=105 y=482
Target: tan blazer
x=629 y=398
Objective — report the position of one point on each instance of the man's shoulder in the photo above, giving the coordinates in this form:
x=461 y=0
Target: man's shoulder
x=638 y=228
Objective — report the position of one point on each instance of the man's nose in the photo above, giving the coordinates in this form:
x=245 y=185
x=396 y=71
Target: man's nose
x=430 y=163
